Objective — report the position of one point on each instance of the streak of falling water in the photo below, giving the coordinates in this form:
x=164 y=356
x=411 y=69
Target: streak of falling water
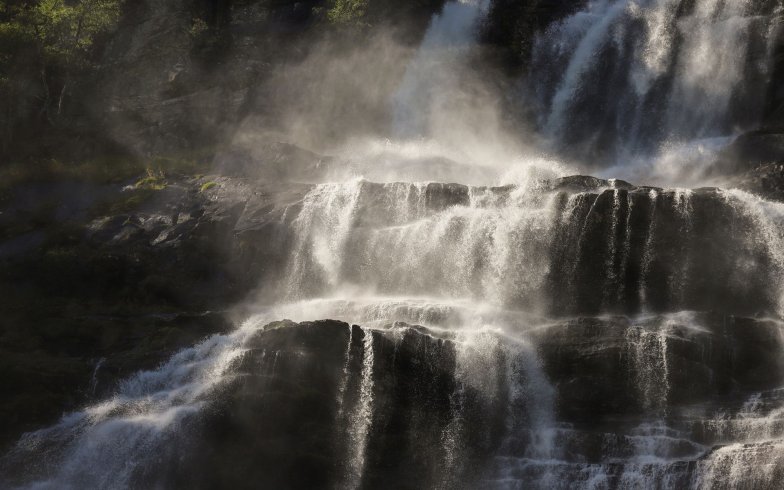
x=614 y=279
x=767 y=232
x=94 y=378
x=346 y=372
x=323 y=229
x=453 y=438
x=581 y=60
x=627 y=246
x=432 y=73
x=361 y=419
x=648 y=355
x=678 y=280
x=647 y=257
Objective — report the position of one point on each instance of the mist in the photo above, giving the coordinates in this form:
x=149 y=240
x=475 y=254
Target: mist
x=387 y=111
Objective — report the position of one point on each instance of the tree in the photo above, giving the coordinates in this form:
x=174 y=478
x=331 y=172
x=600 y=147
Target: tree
x=348 y=12
x=54 y=39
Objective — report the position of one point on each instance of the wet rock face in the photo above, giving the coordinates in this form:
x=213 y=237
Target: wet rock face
x=324 y=404
x=662 y=363
x=120 y=277
x=319 y=404
x=421 y=425
x=577 y=245
x=589 y=246
x=751 y=150
x=632 y=250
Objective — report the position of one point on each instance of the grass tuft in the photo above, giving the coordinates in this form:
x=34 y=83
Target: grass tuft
x=207 y=186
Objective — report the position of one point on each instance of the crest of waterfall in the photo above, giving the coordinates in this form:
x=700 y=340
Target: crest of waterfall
x=630 y=75
x=508 y=246
x=424 y=239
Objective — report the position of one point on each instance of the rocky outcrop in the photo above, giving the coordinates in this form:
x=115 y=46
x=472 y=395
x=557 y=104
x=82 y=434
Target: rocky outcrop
x=321 y=404
x=323 y=373
x=749 y=151
x=150 y=261
x=664 y=364
x=427 y=425
x=754 y=161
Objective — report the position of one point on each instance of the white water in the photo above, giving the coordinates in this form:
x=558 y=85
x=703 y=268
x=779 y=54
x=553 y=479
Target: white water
x=767 y=232
x=477 y=269
x=637 y=79
x=433 y=76
x=402 y=257
x=105 y=444
x=382 y=239
x=648 y=352
x=360 y=421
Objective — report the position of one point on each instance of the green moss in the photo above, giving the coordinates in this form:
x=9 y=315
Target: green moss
x=153 y=180
x=348 y=12
x=207 y=186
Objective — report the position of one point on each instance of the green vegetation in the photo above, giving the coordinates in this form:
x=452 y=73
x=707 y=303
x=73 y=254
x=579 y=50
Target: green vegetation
x=348 y=12
x=207 y=186
x=367 y=13
x=154 y=180
x=44 y=46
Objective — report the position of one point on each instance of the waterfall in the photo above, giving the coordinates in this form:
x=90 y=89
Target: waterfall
x=109 y=444
x=476 y=267
x=648 y=256
x=496 y=245
x=767 y=228
x=515 y=329
x=623 y=78
x=434 y=71
x=648 y=355
x=361 y=420
x=323 y=228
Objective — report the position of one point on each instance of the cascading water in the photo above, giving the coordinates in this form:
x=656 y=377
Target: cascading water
x=487 y=294
x=626 y=79
x=431 y=74
x=534 y=332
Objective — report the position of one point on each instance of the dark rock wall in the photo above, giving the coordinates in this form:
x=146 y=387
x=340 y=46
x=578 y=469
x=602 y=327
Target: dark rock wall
x=630 y=251
x=325 y=404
